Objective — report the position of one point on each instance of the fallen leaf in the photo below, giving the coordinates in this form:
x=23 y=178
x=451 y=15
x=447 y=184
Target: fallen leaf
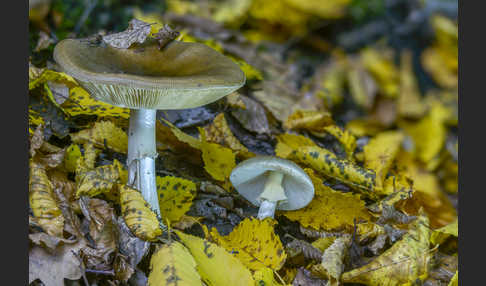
x=332 y=263
x=103 y=133
x=254 y=243
x=140 y=219
x=82 y=103
x=308 y=119
x=173 y=264
x=175 y=197
x=440 y=235
x=215 y=265
x=329 y=210
x=264 y=276
x=406 y=261
x=136 y=32
x=219 y=132
x=219 y=161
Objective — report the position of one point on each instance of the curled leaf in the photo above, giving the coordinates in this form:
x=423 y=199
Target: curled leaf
x=136 y=32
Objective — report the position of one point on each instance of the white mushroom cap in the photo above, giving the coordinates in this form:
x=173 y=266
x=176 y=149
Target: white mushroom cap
x=249 y=179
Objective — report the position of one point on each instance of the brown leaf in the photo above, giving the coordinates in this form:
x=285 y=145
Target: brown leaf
x=123 y=270
x=53 y=268
x=166 y=35
x=253 y=117
x=136 y=32
x=48 y=242
x=129 y=245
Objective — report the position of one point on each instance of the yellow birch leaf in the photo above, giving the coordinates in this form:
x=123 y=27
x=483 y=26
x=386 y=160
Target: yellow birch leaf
x=219 y=161
x=50 y=75
x=383 y=70
x=308 y=119
x=42 y=201
x=219 y=132
x=216 y=266
x=454 y=280
x=96 y=181
x=409 y=102
x=380 y=152
x=82 y=103
x=440 y=235
x=254 y=243
x=344 y=137
x=286 y=143
x=73 y=153
x=406 y=261
x=138 y=216
x=329 y=210
x=103 y=132
x=326 y=163
x=264 y=276
x=175 y=197
x=173 y=264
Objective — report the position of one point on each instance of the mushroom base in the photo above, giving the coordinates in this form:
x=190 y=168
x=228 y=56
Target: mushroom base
x=141 y=155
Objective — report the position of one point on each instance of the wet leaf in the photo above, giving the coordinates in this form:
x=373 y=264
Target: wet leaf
x=173 y=264
x=329 y=210
x=140 y=219
x=175 y=197
x=216 y=266
x=254 y=243
x=136 y=32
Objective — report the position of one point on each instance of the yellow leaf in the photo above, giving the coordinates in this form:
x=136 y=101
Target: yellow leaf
x=264 y=276
x=138 y=216
x=96 y=181
x=380 y=152
x=326 y=163
x=175 y=197
x=332 y=264
x=406 y=261
x=42 y=201
x=329 y=210
x=308 y=119
x=344 y=137
x=434 y=59
x=409 y=102
x=324 y=9
x=73 y=153
x=50 y=75
x=103 y=132
x=173 y=264
x=35 y=118
x=454 y=280
x=286 y=143
x=361 y=85
x=82 y=103
x=429 y=133
x=179 y=135
x=254 y=243
x=330 y=83
x=219 y=132
x=219 y=161
x=383 y=70
x=216 y=266
x=440 y=235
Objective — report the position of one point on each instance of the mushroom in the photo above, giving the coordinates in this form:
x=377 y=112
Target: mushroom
x=272 y=183
x=145 y=79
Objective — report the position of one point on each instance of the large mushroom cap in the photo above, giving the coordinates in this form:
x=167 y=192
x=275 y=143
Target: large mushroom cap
x=181 y=75
x=249 y=179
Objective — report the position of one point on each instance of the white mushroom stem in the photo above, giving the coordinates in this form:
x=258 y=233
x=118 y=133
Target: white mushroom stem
x=142 y=154
x=272 y=194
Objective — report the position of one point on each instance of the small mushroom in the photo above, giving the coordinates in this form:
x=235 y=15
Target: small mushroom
x=272 y=183
x=145 y=79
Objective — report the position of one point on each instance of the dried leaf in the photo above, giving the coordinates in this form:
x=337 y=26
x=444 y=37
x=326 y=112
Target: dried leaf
x=175 y=197
x=140 y=219
x=165 y=35
x=409 y=103
x=289 y=142
x=362 y=87
x=329 y=210
x=254 y=243
x=440 y=235
x=103 y=133
x=455 y=279
x=379 y=64
x=406 y=261
x=215 y=265
x=252 y=117
x=332 y=264
x=42 y=201
x=308 y=119
x=219 y=132
x=136 y=32
x=173 y=264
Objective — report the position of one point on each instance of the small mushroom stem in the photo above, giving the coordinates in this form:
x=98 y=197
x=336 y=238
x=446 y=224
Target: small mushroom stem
x=272 y=194
x=142 y=154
